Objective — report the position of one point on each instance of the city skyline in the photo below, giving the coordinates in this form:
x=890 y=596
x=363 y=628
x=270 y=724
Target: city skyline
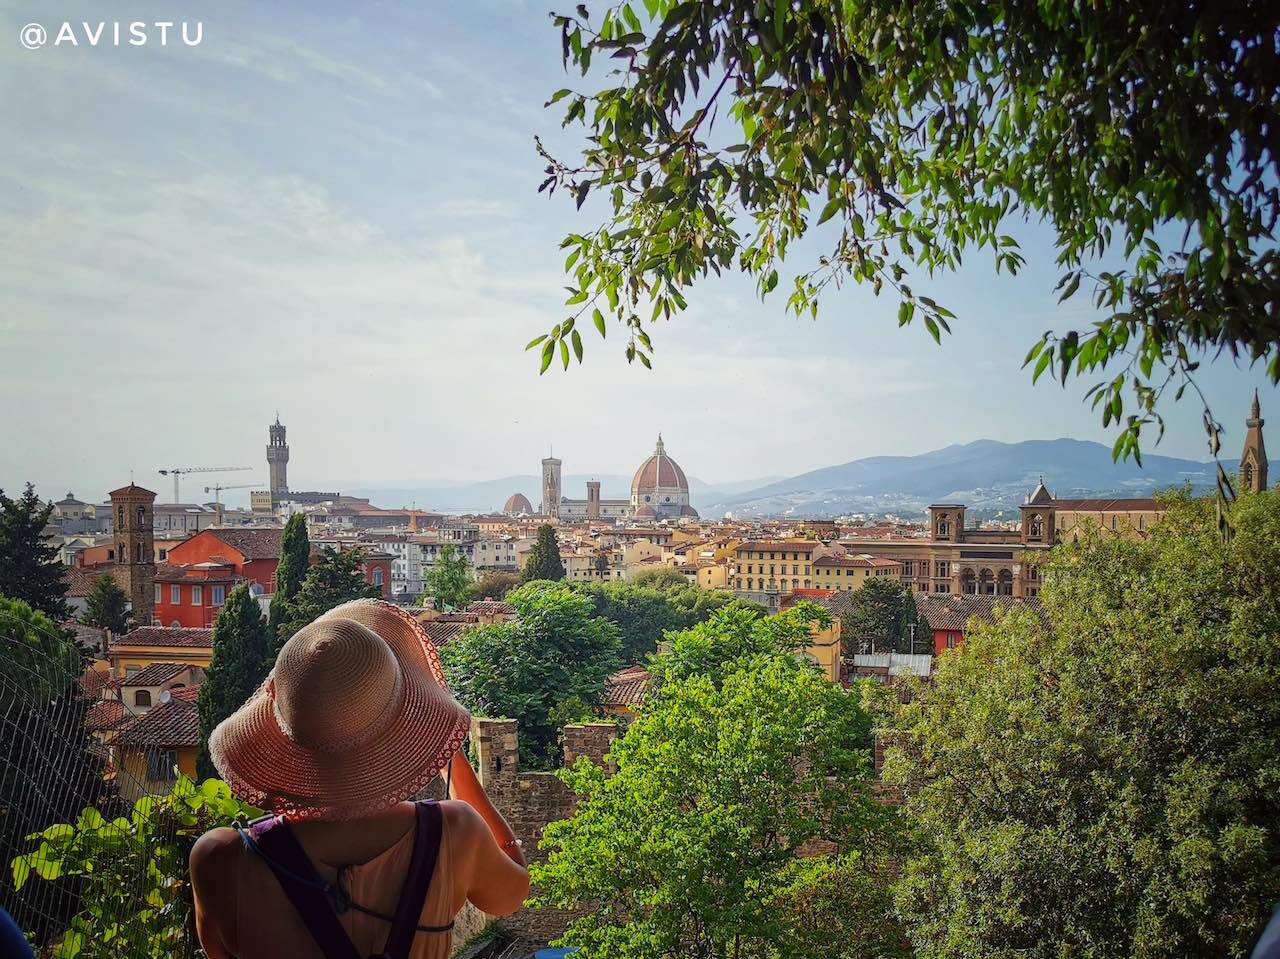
x=334 y=214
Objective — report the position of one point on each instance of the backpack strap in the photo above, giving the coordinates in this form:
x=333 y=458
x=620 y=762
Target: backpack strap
x=417 y=882
x=311 y=897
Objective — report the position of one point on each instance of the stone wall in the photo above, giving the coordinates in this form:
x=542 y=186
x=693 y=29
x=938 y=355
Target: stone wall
x=528 y=801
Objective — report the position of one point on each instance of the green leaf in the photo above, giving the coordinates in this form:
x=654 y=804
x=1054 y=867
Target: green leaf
x=598 y=318
x=577 y=345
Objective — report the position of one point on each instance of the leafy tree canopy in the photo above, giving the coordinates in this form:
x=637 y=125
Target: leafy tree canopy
x=721 y=132
x=880 y=619
x=29 y=566
x=1103 y=782
x=335 y=578
x=543 y=561
x=105 y=606
x=546 y=667
x=745 y=783
x=295 y=560
x=241 y=648
x=449 y=581
x=494 y=584
x=38 y=659
x=644 y=613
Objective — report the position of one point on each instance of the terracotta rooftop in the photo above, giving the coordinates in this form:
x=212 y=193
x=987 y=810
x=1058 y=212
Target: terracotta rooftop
x=252 y=543
x=787 y=545
x=626 y=687
x=855 y=562
x=105 y=714
x=659 y=471
x=443 y=631
x=185 y=637
x=1144 y=504
x=491 y=607
x=954 y=610
x=156 y=674
x=175 y=723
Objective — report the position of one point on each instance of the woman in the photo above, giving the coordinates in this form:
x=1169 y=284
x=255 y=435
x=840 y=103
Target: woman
x=353 y=721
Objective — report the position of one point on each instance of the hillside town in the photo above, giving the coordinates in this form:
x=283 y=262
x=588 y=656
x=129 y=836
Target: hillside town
x=691 y=479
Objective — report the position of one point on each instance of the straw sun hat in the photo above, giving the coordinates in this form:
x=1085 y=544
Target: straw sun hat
x=354 y=717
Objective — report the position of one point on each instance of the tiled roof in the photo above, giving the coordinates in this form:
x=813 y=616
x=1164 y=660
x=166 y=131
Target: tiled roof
x=92 y=680
x=626 y=687
x=131 y=489
x=80 y=579
x=491 y=607
x=156 y=674
x=837 y=602
x=185 y=637
x=1110 y=505
x=786 y=545
x=105 y=714
x=954 y=610
x=175 y=723
x=442 y=632
x=188 y=694
x=517 y=503
x=855 y=562
x=263 y=543
x=199 y=572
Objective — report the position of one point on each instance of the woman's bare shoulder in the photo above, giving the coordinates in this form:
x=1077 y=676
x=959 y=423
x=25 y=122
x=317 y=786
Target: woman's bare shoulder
x=214 y=852
x=461 y=818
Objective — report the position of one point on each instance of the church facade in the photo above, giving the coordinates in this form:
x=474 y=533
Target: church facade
x=659 y=490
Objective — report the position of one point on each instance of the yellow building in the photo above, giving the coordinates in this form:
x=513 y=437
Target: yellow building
x=850 y=572
x=153 y=749
x=136 y=650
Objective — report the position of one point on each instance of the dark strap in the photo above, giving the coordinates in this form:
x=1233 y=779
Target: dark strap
x=276 y=844
x=417 y=881
x=319 y=904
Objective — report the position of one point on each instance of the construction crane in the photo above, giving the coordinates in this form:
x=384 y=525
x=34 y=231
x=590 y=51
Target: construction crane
x=177 y=471
x=217 y=489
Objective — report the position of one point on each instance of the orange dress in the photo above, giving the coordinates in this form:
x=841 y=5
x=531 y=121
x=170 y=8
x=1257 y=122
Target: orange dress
x=267 y=927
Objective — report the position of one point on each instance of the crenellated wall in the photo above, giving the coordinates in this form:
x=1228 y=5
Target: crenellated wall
x=528 y=801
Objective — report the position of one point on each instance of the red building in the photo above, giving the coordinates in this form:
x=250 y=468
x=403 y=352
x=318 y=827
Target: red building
x=950 y=614
x=192 y=595
x=252 y=553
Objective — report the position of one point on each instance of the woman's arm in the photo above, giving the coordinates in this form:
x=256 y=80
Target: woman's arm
x=498 y=881
x=464 y=785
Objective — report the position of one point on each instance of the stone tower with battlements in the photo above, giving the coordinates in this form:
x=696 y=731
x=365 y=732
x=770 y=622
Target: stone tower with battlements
x=135 y=548
x=1253 y=459
x=278 y=457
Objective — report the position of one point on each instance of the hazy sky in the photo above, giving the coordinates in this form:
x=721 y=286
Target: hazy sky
x=330 y=210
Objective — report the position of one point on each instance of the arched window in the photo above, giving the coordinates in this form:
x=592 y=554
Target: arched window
x=1004 y=583
x=142 y=697
x=944 y=528
x=1113 y=522
x=1248 y=476
x=1036 y=530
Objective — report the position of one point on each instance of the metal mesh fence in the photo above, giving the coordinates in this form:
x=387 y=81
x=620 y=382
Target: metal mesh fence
x=93 y=842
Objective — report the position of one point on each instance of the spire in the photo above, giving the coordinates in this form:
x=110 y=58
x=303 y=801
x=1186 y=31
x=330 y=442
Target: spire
x=1255 y=411
x=658 y=450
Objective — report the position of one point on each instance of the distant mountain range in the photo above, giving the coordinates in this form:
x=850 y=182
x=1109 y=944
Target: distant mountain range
x=985 y=474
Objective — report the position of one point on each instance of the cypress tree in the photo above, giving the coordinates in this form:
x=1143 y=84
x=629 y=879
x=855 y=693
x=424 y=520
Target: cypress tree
x=543 y=561
x=240 y=641
x=105 y=606
x=29 y=566
x=295 y=558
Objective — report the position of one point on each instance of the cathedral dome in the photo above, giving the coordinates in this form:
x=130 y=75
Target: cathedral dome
x=518 y=503
x=659 y=471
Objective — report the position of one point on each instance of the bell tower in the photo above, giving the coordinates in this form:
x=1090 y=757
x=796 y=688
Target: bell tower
x=278 y=457
x=551 y=487
x=1253 y=460
x=135 y=548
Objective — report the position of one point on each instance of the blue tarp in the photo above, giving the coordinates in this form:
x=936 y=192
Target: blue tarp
x=554 y=953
